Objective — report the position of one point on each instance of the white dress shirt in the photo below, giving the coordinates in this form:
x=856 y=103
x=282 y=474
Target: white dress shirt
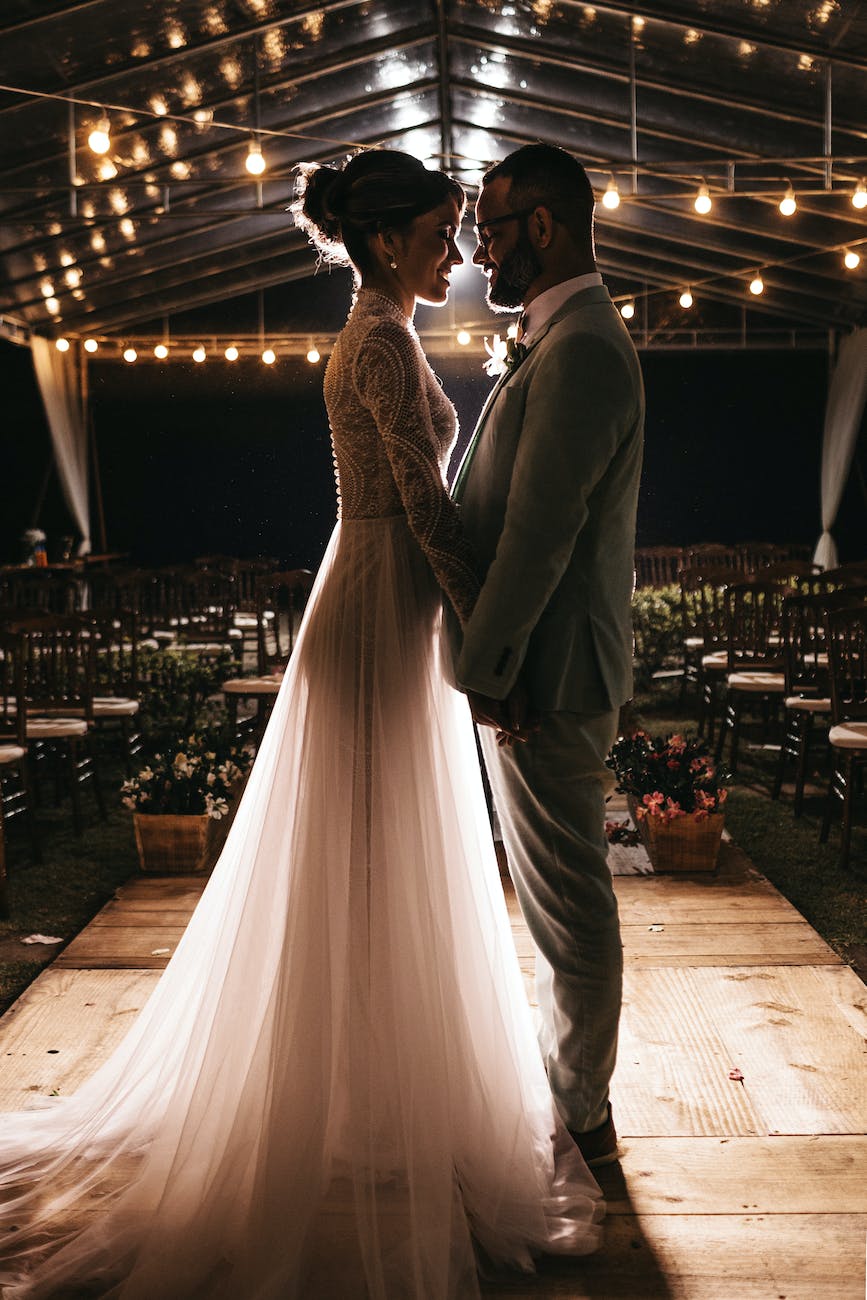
x=541 y=309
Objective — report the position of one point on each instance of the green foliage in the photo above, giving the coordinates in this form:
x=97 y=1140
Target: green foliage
x=658 y=626
x=175 y=692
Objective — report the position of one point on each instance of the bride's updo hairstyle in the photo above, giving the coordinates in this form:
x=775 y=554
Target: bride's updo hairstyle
x=379 y=189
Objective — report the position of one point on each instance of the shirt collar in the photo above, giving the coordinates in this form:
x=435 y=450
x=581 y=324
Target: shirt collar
x=541 y=309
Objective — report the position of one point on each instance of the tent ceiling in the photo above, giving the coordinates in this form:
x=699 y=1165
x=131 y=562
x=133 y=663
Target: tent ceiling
x=747 y=95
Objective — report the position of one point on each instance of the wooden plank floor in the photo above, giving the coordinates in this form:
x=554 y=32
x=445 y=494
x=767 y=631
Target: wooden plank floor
x=753 y=1187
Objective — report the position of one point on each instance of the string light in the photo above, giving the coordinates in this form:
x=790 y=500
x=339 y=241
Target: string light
x=255 y=161
x=99 y=139
x=269 y=356
x=757 y=284
x=464 y=337
x=62 y=345
x=90 y=345
x=130 y=355
x=788 y=203
x=199 y=355
x=627 y=311
x=231 y=353
x=703 y=202
x=611 y=197
x=859 y=195
x=161 y=351
x=685 y=299
x=851 y=259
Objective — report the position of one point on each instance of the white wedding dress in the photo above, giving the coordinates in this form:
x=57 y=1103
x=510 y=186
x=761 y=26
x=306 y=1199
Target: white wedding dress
x=335 y=1088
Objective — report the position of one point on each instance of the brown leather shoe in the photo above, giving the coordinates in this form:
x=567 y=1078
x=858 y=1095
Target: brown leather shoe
x=598 y=1146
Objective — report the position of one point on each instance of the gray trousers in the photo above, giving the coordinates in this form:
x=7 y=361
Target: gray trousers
x=549 y=793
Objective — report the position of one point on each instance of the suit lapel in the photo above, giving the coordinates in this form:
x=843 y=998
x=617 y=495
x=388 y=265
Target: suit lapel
x=593 y=294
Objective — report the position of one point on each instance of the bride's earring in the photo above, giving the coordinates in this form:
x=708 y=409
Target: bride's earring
x=393 y=263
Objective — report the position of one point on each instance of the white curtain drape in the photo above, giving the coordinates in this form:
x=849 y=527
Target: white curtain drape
x=846 y=400
x=59 y=379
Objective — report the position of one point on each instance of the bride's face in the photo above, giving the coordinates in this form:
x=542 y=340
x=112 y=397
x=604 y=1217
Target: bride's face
x=428 y=251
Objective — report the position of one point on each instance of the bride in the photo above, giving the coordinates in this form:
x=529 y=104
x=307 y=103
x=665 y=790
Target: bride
x=335 y=1088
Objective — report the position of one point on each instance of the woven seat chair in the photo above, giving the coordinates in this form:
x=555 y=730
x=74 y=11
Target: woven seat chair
x=703 y=589
x=16 y=794
x=754 y=673
x=847 y=656
x=280 y=601
x=51 y=661
x=807 y=685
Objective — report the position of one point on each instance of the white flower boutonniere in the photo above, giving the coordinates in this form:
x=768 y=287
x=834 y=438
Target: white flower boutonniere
x=504 y=355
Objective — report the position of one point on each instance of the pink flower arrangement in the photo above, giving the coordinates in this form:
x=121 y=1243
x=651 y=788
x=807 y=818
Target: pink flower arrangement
x=668 y=777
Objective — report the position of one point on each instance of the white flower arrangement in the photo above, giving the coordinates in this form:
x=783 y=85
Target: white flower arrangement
x=504 y=355
x=196 y=780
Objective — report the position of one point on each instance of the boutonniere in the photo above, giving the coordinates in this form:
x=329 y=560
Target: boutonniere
x=504 y=356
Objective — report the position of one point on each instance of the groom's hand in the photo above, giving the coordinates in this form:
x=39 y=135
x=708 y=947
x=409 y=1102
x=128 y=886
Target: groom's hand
x=513 y=717
x=486 y=711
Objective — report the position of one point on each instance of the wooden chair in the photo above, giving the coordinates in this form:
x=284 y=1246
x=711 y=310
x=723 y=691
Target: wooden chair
x=755 y=663
x=16 y=795
x=657 y=566
x=704 y=587
x=115 y=704
x=280 y=602
x=847 y=655
x=53 y=660
x=807 y=685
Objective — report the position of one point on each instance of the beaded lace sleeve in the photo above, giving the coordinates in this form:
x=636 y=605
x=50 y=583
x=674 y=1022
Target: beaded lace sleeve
x=390 y=382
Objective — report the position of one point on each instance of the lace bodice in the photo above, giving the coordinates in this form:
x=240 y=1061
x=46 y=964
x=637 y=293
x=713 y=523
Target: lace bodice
x=392 y=429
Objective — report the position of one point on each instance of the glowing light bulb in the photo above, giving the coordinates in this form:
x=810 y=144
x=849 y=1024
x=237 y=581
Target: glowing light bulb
x=199 y=355
x=788 y=203
x=90 y=345
x=99 y=139
x=255 y=162
x=851 y=259
x=130 y=355
x=703 y=202
x=313 y=356
x=464 y=337
x=611 y=197
x=685 y=299
x=231 y=353
x=62 y=345
x=161 y=351
x=859 y=196
x=627 y=311
x=269 y=356
x=757 y=284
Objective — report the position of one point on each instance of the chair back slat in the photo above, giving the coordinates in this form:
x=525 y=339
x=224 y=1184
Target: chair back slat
x=280 y=602
x=847 y=656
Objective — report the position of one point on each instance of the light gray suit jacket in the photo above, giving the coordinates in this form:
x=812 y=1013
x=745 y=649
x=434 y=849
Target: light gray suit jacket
x=548 y=493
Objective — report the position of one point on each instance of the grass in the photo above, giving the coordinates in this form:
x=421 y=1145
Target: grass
x=783 y=848
x=62 y=894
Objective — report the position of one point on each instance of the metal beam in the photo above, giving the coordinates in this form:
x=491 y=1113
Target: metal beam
x=698 y=21
x=241 y=33
x=466 y=34
x=442 y=39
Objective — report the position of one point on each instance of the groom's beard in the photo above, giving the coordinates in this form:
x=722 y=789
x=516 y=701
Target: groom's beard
x=517 y=271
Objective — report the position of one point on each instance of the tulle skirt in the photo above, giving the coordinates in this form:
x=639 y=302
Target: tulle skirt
x=335 y=1088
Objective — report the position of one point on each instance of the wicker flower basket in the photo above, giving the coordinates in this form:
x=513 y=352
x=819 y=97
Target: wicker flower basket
x=170 y=844
x=682 y=844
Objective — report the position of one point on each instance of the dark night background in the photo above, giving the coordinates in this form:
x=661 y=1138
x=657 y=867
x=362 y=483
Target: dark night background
x=235 y=459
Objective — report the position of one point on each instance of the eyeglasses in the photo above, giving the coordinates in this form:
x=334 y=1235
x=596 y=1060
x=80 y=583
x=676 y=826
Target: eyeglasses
x=481 y=230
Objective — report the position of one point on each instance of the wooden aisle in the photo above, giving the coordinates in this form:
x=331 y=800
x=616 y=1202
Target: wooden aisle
x=752 y=1187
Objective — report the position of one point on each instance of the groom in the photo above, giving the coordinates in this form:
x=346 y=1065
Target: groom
x=548 y=491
